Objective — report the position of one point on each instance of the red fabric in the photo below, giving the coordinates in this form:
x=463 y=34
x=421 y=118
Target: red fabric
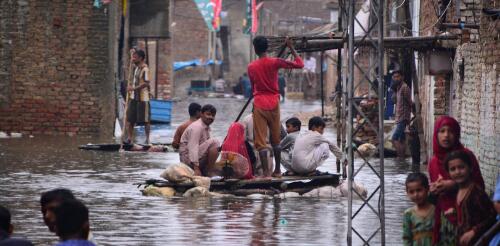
x=217 y=9
x=234 y=148
x=436 y=168
x=255 y=16
x=263 y=74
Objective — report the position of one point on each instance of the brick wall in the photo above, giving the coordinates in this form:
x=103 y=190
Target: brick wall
x=164 y=79
x=189 y=41
x=479 y=95
x=190 y=33
x=475 y=98
x=292 y=10
x=491 y=77
x=54 y=67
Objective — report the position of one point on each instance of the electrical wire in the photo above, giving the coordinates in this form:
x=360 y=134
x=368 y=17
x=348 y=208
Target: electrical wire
x=430 y=26
x=394 y=8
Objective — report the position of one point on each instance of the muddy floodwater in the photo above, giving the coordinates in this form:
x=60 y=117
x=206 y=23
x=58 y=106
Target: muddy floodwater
x=120 y=215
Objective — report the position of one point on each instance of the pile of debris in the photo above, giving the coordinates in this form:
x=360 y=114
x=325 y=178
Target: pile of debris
x=365 y=132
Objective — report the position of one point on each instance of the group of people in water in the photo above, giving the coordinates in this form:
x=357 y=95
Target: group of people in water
x=250 y=146
x=300 y=153
x=63 y=214
x=451 y=207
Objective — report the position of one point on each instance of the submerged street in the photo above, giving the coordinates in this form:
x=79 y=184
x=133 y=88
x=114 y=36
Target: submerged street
x=121 y=215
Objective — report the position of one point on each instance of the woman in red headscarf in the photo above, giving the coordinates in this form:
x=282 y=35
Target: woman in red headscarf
x=446 y=139
x=234 y=153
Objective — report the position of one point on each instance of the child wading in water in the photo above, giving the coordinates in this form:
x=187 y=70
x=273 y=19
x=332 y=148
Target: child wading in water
x=418 y=220
x=474 y=209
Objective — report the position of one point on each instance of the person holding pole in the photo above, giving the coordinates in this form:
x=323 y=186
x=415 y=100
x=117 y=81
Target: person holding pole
x=138 y=109
x=263 y=74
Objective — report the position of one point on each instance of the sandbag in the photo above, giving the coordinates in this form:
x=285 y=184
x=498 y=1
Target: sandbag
x=178 y=173
x=201 y=181
x=221 y=195
x=286 y=195
x=259 y=196
x=324 y=192
x=152 y=190
x=366 y=150
x=197 y=192
x=359 y=188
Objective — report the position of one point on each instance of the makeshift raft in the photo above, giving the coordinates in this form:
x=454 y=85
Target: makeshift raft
x=237 y=187
x=127 y=147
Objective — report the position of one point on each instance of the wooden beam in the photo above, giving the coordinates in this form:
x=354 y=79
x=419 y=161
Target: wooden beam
x=417 y=43
x=460 y=25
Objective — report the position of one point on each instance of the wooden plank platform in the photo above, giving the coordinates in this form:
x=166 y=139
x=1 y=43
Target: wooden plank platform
x=116 y=147
x=298 y=184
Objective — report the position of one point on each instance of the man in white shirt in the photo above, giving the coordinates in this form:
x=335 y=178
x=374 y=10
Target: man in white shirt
x=312 y=148
x=310 y=69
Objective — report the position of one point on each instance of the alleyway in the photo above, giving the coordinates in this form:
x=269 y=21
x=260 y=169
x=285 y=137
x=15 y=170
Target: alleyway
x=122 y=216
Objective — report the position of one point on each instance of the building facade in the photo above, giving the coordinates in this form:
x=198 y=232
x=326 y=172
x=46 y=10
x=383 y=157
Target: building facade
x=470 y=90
x=56 y=70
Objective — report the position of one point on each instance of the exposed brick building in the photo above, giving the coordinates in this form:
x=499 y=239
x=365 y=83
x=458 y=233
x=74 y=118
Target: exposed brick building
x=55 y=68
x=190 y=41
x=471 y=91
x=60 y=65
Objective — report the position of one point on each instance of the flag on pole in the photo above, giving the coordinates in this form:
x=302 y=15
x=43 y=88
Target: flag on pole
x=210 y=11
x=251 y=23
x=247 y=22
x=217 y=9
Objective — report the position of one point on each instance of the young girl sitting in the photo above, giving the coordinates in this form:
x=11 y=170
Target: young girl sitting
x=474 y=209
x=418 y=220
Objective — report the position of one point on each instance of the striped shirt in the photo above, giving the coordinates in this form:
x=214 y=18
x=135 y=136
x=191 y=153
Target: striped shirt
x=403 y=103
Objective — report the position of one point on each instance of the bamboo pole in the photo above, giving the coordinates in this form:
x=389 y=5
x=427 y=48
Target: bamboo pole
x=124 y=132
x=415 y=84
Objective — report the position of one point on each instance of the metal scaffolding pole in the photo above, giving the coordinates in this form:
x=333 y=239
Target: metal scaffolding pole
x=373 y=33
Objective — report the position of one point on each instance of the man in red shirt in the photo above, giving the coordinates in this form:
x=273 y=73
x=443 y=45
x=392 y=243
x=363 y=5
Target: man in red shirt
x=263 y=74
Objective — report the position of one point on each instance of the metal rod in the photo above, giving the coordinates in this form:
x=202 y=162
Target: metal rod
x=460 y=25
x=146 y=49
x=350 y=88
x=156 y=69
x=338 y=98
x=321 y=79
x=243 y=109
x=414 y=80
x=344 y=86
x=380 y=54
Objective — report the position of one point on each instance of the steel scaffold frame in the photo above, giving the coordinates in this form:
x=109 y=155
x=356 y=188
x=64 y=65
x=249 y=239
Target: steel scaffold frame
x=375 y=35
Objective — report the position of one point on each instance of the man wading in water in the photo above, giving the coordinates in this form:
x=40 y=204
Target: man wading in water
x=263 y=74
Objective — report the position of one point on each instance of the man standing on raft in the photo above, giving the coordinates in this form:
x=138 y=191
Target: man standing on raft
x=263 y=74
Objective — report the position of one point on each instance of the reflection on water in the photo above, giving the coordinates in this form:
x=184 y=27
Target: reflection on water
x=120 y=215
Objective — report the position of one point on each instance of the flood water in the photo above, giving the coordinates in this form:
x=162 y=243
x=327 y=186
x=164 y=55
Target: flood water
x=120 y=215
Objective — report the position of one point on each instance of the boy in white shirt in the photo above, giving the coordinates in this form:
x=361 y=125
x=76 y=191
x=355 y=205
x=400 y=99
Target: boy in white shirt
x=312 y=148
x=293 y=129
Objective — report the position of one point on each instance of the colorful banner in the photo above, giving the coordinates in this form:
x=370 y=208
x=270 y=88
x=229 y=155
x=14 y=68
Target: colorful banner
x=251 y=22
x=247 y=22
x=255 y=16
x=210 y=11
x=217 y=9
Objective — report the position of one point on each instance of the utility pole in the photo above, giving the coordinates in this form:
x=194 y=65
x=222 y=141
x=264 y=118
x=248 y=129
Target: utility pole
x=374 y=34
